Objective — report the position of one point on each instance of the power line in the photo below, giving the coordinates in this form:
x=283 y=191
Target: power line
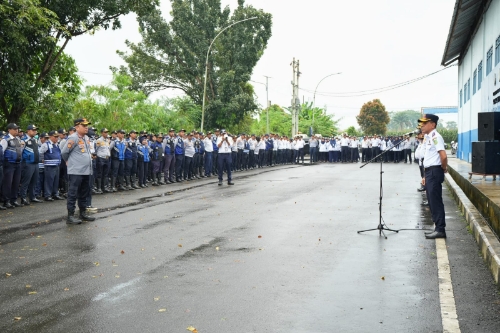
x=378 y=90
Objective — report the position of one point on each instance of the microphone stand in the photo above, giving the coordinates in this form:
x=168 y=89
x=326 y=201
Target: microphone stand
x=381 y=223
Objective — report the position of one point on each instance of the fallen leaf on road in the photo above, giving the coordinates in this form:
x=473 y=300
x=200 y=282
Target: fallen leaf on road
x=66 y=289
x=162 y=310
x=217 y=248
x=96 y=263
x=259 y=236
x=32 y=293
x=157 y=299
x=383 y=278
x=122 y=252
x=8 y=274
x=44 y=244
x=28 y=286
x=17 y=318
x=192 y=329
x=180 y=245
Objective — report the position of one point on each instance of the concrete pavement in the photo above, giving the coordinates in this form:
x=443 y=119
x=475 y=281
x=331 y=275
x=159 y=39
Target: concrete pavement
x=277 y=252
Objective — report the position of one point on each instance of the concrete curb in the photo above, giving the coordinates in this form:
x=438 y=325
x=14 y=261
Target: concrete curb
x=485 y=238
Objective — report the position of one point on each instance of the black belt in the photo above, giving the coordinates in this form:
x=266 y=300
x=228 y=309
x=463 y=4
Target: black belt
x=433 y=167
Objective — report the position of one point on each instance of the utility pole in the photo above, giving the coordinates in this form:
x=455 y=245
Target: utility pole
x=267 y=100
x=295 y=106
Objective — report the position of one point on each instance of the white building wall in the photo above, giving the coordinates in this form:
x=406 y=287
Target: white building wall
x=484 y=39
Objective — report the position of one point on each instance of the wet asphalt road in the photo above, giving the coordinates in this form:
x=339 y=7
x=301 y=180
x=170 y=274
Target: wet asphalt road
x=277 y=252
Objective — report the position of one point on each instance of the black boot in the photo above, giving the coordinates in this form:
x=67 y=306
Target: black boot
x=112 y=185
x=160 y=179
x=121 y=187
x=99 y=185
x=133 y=182
x=72 y=219
x=85 y=216
x=155 y=182
x=128 y=186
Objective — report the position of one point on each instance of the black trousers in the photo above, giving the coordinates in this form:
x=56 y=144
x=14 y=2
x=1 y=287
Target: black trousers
x=434 y=177
x=131 y=167
x=11 y=181
x=118 y=168
x=188 y=167
x=345 y=153
x=225 y=160
x=169 y=167
x=79 y=188
x=103 y=167
x=179 y=161
x=142 y=172
x=29 y=179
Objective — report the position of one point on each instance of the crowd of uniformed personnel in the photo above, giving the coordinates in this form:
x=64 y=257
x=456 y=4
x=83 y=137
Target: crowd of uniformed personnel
x=55 y=165
x=350 y=149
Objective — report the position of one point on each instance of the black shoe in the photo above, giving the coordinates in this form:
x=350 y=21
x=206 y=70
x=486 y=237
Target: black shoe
x=85 y=217
x=436 y=234
x=36 y=200
x=143 y=186
x=230 y=183
x=429 y=232
x=49 y=199
x=3 y=208
x=15 y=204
x=421 y=189
x=25 y=202
x=56 y=197
x=425 y=203
x=168 y=182
x=220 y=182
x=8 y=205
x=72 y=219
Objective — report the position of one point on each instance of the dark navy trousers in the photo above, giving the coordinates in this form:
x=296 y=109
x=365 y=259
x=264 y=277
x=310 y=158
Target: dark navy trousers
x=208 y=163
x=51 y=178
x=79 y=188
x=11 y=181
x=29 y=180
x=434 y=177
x=225 y=159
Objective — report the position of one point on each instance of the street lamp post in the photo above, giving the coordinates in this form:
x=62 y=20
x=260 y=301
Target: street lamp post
x=206 y=67
x=314 y=98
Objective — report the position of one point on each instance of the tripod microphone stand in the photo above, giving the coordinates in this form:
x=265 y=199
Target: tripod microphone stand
x=381 y=223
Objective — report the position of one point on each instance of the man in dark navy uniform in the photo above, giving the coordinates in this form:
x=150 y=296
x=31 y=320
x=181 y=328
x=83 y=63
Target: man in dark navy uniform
x=435 y=166
x=13 y=149
x=30 y=167
x=179 y=155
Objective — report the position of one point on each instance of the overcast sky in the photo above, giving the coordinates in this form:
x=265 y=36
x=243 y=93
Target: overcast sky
x=374 y=43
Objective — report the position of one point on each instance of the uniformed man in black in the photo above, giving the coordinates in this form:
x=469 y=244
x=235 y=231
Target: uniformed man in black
x=30 y=167
x=435 y=166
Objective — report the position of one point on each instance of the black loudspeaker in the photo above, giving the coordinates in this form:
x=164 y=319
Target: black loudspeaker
x=486 y=157
x=488 y=125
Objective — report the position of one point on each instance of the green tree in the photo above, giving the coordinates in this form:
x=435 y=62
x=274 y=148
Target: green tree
x=451 y=125
x=352 y=131
x=403 y=120
x=373 y=118
x=280 y=121
x=33 y=37
x=323 y=123
x=117 y=106
x=172 y=55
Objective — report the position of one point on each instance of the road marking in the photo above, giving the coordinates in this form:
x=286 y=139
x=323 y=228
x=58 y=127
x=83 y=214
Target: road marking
x=446 y=298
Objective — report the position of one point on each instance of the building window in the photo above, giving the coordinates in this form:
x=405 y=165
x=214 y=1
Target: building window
x=497 y=51
x=474 y=86
x=460 y=98
x=479 y=75
x=489 y=61
x=468 y=89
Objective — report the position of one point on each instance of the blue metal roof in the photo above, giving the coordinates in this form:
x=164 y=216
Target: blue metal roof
x=435 y=110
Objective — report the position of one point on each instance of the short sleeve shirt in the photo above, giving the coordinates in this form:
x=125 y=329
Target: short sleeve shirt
x=434 y=143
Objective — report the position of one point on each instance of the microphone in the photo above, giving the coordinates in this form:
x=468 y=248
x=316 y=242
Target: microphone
x=417 y=131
